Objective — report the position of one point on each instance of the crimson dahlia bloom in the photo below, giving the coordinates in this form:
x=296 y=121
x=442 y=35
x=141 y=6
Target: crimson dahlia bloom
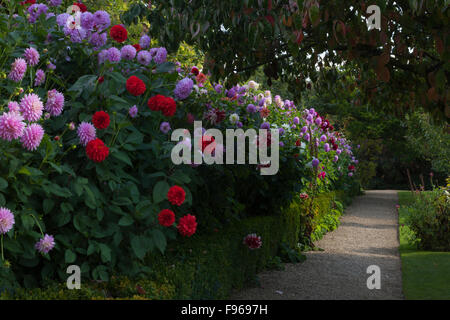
x=176 y=195
x=101 y=120
x=119 y=33
x=187 y=225
x=166 y=218
x=253 y=241
x=97 y=151
x=135 y=86
x=164 y=104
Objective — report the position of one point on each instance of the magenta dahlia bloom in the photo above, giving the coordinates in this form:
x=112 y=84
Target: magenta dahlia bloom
x=40 y=78
x=55 y=103
x=31 y=107
x=144 y=57
x=86 y=133
x=45 y=244
x=253 y=241
x=32 y=136
x=133 y=111
x=87 y=20
x=61 y=19
x=165 y=127
x=113 y=55
x=31 y=56
x=101 y=20
x=11 y=126
x=160 y=56
x=183 y=88
x=54 y=3
x=6 y=220
x=98 y=39
x=35 y=11
x=18 y=69
x=144 y=42
x=13 y=106
x=128 y=52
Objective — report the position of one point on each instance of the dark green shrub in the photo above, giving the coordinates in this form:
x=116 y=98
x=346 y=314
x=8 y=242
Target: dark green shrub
x=429 y=219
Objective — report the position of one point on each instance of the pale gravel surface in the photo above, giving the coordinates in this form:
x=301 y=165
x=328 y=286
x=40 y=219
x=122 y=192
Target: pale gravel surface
x=368 y=235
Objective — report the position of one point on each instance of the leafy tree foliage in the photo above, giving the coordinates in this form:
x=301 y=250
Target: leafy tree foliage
x=404 y=64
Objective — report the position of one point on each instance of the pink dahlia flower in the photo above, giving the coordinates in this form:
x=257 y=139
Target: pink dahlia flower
x=32 y=136
x=40 y=78
x=18 y=69
x=6 y=220
x=31 y=56
x=55 y=103
x=13 y=106
x=11 y=126
x=45 y=244
x=31 y=107
x=86 y=133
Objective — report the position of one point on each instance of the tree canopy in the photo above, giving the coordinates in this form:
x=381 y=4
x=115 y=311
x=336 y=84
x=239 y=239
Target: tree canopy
x=403 y=64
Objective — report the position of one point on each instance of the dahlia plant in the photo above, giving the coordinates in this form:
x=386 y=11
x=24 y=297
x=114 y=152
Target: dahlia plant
x=85 y=122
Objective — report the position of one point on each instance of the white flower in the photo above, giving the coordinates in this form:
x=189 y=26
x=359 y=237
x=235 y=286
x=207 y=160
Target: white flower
x=234 y=118
x=253 y=85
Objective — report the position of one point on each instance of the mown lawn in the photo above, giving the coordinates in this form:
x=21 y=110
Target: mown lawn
x=426 y=274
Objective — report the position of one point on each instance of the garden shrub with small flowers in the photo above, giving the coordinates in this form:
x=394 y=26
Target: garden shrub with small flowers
x=87 y=179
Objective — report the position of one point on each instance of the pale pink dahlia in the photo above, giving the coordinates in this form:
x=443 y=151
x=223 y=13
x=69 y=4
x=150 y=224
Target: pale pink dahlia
x=13 y=106
x=55 y=103
x=40 y=78
x=31 y=107
x=32 y=136
x=31 y=56
x=45 y=244
x=6 y=220
x=86 y=133
x=11 y=126
x=18 y=69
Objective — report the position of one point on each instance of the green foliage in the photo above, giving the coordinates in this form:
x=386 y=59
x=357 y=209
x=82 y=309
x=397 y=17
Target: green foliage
x=429 y=219
x=425 y=274
x=429 y=141
x=401 y=65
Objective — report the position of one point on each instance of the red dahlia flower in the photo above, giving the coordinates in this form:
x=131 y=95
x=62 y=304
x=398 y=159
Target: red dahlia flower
x=164 y=104
x=351 y=168
x=135 y=86
x=27 y=2
x=118 y=33
x=101 y=79
x=187 y=225
x=137 y=46
x=253 y=241
x=176 y=195
x=298 y=143
x=166 y=218
x=101 y=120
x=206 y=141
x=195 y=71
x=96 y=150
x=82 y=6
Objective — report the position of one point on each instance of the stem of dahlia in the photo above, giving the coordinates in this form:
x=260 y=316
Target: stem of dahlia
x=3 y=257
x=37 y=222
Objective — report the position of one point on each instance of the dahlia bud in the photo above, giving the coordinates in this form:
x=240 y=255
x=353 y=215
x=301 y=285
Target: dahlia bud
x=74 y=147
x=2 y=75
x=7 y=264
x=71 y=126
x=45 y=50
x=57 y=138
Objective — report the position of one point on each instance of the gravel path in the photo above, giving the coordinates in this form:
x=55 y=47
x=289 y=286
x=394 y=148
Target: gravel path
x=368 y=235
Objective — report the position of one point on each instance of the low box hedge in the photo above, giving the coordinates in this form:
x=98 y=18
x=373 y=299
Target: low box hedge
x=207 y=266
